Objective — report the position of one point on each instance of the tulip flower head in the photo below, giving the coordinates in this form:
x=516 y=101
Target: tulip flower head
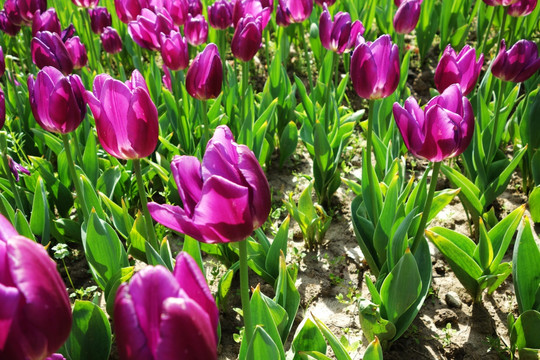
x=126 y=118
x=178 y=9
x=522 y=8
x=162 y=316
x=174 y=51
x=205 y=74
x=225 y=198
x=26 y=9
x=2 y=63
x=220 y=14
x=56 y=100
x=128 y=10
x=36 y=313
x=338 y=35
x=407 y=16
x=48 y=49
x=375 y=68
x=443 y=129
x=247 y=38
x=110 y=40
x=2 y=109
x=296 y=11
x=46 y=21
x=499 y=2
x=11 y=7
x=7 y=26
x=85 y=3
x=462 y=69
x=100 y=18
x=77 y=52
x=196 y=30
x=16 y=168
x=322 y=2
x=254 y=8
x=195 y=7
x=146 y=30
x=517 y=64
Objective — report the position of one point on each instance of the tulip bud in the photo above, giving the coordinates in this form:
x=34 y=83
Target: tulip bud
x=126 y=118
x=160 y=315
x=462 y=69
x=220 y=14
x=128 y=10
x=196 y=30
x=85 y=3
x=194 y=7
x=56 y=100
x=407 y=16
x=46 y=21
x=443 y=129
x=145 y=31
x=338 y=35
x=77 y=52
x=328 y=3
x=2 y=63
x=247 y=38
x=100 y=18
x=225 y=198
x=68 y=33
x=36 y=313
x=522 y=8
x=2 y=109
x=205 y=75
x=7 y=26
x=49 y=50
x=27 y=9
x=178 y=9
x=174 y=51
x=15 y=167
x=499 y=2
x=254 y=8
x=375 y=68
x=517 y=64
x=111 y=40
x=296 y=11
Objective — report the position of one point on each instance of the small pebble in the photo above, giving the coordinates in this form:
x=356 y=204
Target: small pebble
x=452 y=300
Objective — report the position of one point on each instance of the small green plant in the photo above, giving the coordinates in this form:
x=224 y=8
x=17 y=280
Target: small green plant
x=495 y=345
x=61 y=251
x=87 y=293
x=446 y=339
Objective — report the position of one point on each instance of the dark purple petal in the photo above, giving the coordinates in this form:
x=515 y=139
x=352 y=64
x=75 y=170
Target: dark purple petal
x=187 y=174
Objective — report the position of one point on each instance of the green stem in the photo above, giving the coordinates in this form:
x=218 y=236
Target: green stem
x=3 y=145
x=74 y=177
x=492 y=143
x=67 y=273
x=307 y=59
x=481 y=49
x=369 y=145
x=205 y=124
x=245 y=80
x=327 y=95
x=427 y=206
x=244 y=291
x=144 y=203
x=501 y=30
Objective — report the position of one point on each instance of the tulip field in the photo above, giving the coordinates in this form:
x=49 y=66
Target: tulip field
x=269 y=179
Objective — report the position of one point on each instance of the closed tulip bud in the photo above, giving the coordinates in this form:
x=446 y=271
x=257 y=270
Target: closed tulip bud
x=254 y=8
x=110 y=40
x=443 y=129
x=163 y=316
x=220 y=14
x=27 y=9
x=68 y=33
x=56 y=100
x=407 y=16
x=77 y=52
x=375 y=68
x=296 y=11
x=499 y=2
x=517 y=64
x=462 y=69
x=46 y=21
x=322 y=2
x=36 y=313
x=338 y=35
x=145 y=31
x=174 y=51
x=100 y=18
x=196 y=30
x=48 y=49
x=178 y=9
x=2 y=63
x=85 y=3
x=225 y=198
x=7 y=26
x=194 y=7
x=205 y=75
x=16 y=168
x=128 y=10
x=247 y=38
x=13 y=12
x=126 y=118
x=522 y=8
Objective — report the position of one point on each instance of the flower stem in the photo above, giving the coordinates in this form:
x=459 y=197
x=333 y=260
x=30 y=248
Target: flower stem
x=244 y=291
x=369 y=145
x=243 y=131
x=307 y=60
x=206 y=125
x=68 y=276
x=3 y=145
x=427 y=206
x=501 y=31
x=492 y=142
x=144 y=203
x=481 y=49
x=74 y=177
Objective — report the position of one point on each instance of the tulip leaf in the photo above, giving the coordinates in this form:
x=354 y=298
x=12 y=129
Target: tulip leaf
x=308 y=337
x=90 y=159
x=121 y=276
x=52 y=141
x=279 y=314
x=526 y=269
x=501 y=234
x=152 y=256
x=534 y=204
x=363 y=229
x=287 y=295
x=137 y=238
x=122 y=222
x=91 y=199
x=6 y=209
x=22 y=226
x=440 y=200
x=288 y=142
x=68 y=229
x=193 y=248
x=90 y=337
x=40 y=218
x=469 y=194
x=108 y=180
x=306 y=101
x=339 y=351
x=483 y=253
x=374 y=351
x=278 y=245
x=262 y=346
x=386 y=220
x=524 y=334
x=166 y=255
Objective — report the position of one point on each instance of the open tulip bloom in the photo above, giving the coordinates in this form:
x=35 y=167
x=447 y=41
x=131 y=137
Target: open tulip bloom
x=338 y=35
x=462 y=69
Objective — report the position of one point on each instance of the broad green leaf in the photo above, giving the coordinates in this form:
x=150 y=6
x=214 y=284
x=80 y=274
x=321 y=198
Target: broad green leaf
x=153 y=256
x=112 y=286
x=288 y=142
x=525 y=331
x=137 y=238
x=108 y=180
x=287 y=295
x=40 y=218
x=22 y=226
x=501 y=234
x=91 y=199
x=90 y=159
x=308 y=337
x=484 y=250
x=373 y=325
x=470 y=194
x=374 y=351
x=193 y=248
x=440 y=200
x=279 y=244
x=278 y=314
x=534 y=204
x=526 y=268
x=262 y=346
x=339 y=351
x=313 y=355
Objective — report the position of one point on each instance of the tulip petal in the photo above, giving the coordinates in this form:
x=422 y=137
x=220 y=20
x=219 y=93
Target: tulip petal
x=363 y=71
x=325 y=27
x=447 y=72
x=187 y=174
x=10 y=300
x=409 y=127
x=442 y=134
x=221 y=156
x=142 y=125
x=466 y=127
x=175 y=218
x=6 y=229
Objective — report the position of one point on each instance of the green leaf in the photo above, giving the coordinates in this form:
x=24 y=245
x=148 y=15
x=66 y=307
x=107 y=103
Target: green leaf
x=501 y=234
x=306 y=101
x=262 y=346
x=91 y=200
x=484 y=250
x=112 y=286
x=90 y=159
x=339 y=351
x=308 y=337
x=40 y=219
x=288 y=142
x=374 y=351
x=22 y=226
x=278 y=245
x=137 y=238
x=287 y=295
x=469 y=194
x=534 y=204
x=373 y=325
x=526 y=268
x=108 y=180
x=440 y=200
x=525 y=331
x=192 y=247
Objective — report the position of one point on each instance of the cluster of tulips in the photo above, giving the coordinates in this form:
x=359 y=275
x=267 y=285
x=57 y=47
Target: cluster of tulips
x=216 y=133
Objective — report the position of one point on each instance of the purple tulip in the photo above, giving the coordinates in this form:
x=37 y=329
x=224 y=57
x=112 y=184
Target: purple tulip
x=196 y=30
x=126 y=118
x=281 y=20
x=15 y=167
x=128 y=10
x=225 y=198
x=174 y=51
x=443 y=129
x=2 y=63
x=407 y=16
x=205 y=75
x=2 y=108
x=517 y=64
x=56 y=357
x=7 y=26
x=56 y=100
x=322 y=2
x=254 y=8
x=195 y=7
x=35 y=311
x=247 y=38
x=522 y=8
x=85 y=3
x=111 y=40
x=46 y=21
x=462 y=69
x=499 y=2
x=77 y=52
x=145 y=31
x=220 y=14
x=24 y=10
x=296 y=11
x=178 y=9
x=68 y=33
x=338 y=35
x=48 y=49
x=100 y=18
x=165 y=316
x=375 y=68
x=166 y=78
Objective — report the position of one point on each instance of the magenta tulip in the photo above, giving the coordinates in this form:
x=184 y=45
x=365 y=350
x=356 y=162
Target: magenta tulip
x=178 y=9
x=26 y=9
x=146 y=30
x=16 y=168
x=196 y=30
x=7 y=26
x=220 y=14
x=462 y=69
x=110 y=40
x=46 y=21
x=254 y=8
x=322 y=2
x=56 y=100
x=517 y=64
x=522 y=8
x=407 y=16
x=443 y=129
x=166 y=78
x=13 y=12
x=296 y=11
x=100 y=18
x=35 y=312
x=375 y=68
x=195 y=7
x=225 y=198
x=85 y=3
x=174 y=51
x=2 y=63
x=164 y=316
x=128 y=10
x=499 y=2
x=2 y=108
x=247 y=38
x=338 y=35
x=205 y=74
x=48 y=49
x=77 y=52
x=126 y=118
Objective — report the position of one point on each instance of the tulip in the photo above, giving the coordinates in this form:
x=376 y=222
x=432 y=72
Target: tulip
x=100 y=18
x=48 y=49
x=111 y=40
x=126 y=118
x=442 y=130
x=196 y=30
x=145 y=31
x=16 y=168
x=46 y=21
x=2 y=109
x=128 y=10
x=26 y=9
x=338 y=35
x=407 y=16
x=56 y=357
x=462 y=69
x=522 y=8
x=77 y=52
x=13 y=12
x=178 y=9
x=247 y=38
x=174 y=51
x=36 y=313
x=281 y=20
x=166 y=78
x=2 y=64
x=56 y=100
x=328 y=3
x=254 y=8
x=296 y=11
x=85 y=3
x=165 y=316
x=225 y=198
x=205 y=75
x=7 y=26
x=499 y=2
x=220 y=14
x=194 y=7
x=68 y=33
x=375 y=68
x=517 y=64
